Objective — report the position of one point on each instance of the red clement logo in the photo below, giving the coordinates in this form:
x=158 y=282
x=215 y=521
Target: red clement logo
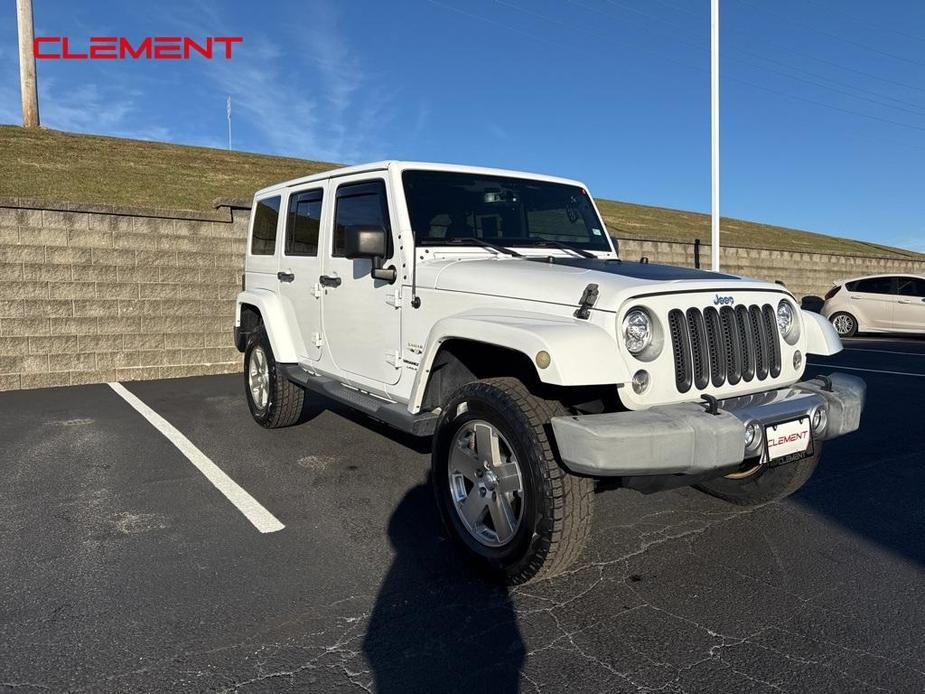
x=787 y=439
x=121 y=48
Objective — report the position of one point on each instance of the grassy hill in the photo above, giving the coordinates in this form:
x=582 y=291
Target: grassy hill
x=47 y=164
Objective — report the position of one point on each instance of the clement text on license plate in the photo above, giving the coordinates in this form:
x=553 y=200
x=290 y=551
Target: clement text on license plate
x=787 y=438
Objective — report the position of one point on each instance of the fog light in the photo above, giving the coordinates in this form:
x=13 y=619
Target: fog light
x=752 y=436
x=640 y=381
x=820 y=420
x=543 y=359
x=797 y=359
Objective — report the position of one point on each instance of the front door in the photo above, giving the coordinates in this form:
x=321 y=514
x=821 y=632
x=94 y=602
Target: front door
x=362 y=327
x=909 y=313
x=300 y=266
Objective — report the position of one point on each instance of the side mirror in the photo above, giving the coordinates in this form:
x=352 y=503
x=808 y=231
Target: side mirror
x=365 y=242
x=372 y=243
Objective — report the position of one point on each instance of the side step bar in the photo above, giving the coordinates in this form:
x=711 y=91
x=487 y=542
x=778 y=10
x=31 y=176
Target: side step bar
x=394 y=414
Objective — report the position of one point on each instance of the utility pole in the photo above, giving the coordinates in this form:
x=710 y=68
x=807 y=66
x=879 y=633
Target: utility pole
x=714 y=134
x=27 y=82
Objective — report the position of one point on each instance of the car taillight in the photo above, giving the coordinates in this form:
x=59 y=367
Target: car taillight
x=832 y=292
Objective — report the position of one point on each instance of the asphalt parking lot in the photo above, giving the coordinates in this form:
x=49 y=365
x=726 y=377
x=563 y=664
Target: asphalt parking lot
x=123 y=568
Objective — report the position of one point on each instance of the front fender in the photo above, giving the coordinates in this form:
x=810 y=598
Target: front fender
x=821 y=337
x=582 y=354
x=283 y=341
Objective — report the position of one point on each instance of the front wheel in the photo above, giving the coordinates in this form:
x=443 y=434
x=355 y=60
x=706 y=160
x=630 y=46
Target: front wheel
x=758 y=484
x=504 y=498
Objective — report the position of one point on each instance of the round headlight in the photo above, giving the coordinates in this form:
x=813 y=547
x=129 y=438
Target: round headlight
x=637 y=331
x=785 y=320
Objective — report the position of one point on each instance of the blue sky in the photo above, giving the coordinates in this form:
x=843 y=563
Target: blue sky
x=823 y=102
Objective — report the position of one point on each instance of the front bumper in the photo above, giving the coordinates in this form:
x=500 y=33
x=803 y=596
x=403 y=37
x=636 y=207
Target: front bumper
x=685 y=439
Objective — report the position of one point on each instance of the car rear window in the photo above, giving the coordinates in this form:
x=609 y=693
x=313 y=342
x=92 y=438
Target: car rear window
x=266 y=216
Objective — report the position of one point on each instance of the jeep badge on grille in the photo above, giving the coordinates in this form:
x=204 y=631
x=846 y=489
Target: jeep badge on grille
x=723 y=300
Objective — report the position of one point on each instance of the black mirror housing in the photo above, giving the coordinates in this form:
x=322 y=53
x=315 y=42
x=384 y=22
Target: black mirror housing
x=365 y=242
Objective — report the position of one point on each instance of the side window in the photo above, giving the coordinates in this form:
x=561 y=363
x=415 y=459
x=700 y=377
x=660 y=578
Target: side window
x=266 y=215
x=359 y=205
x=875 y=285
x=303 y=223
x=912 y=286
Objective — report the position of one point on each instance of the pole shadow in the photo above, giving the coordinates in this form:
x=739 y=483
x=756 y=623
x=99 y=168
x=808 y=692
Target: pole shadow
x=436 y=625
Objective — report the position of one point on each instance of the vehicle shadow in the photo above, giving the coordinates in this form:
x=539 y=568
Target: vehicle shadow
x=436 y=625
x=315 y=404
x=872 y=481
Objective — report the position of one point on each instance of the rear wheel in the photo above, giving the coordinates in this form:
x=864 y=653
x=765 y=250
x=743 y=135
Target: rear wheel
x=757 y=484
x=845 y=324
x=504 y=498
x=273 y=399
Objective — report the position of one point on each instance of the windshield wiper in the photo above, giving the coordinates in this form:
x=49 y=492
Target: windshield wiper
x=565 y=247
x=462 y=240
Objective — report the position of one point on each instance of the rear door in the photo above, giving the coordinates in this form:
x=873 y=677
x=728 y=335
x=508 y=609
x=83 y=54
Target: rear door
x=362 y=326
x=300 y=265
x=873 y=300
x=909 y=313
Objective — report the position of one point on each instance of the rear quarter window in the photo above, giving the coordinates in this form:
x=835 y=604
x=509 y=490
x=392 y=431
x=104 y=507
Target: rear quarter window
x=266 y=219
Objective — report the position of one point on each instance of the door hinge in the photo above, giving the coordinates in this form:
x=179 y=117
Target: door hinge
x=317 y=340
x=394 y=358
x=394 y=298
x=316 y=290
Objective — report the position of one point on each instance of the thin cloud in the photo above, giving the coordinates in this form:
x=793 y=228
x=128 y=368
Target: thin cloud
x=341 y=120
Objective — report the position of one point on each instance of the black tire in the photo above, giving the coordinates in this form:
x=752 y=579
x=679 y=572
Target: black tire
x=852 y=331
x=284 y=402
x=557 y=506
x=765 y=484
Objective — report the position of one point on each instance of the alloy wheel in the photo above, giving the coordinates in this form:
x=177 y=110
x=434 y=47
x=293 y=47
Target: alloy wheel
x=486 y=485
x=258 y=376
x=843 y=324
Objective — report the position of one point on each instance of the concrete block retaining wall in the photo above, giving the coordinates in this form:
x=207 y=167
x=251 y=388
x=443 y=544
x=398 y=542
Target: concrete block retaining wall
x=95 y=294
x=90 y=294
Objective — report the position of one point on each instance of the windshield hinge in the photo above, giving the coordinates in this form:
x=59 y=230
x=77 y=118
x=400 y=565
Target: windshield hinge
x=588 y=299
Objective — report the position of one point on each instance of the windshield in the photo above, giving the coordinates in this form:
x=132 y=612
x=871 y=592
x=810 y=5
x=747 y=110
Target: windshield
x=454 y=208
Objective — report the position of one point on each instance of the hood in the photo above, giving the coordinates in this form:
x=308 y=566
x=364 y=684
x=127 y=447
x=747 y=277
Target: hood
x=563 y=280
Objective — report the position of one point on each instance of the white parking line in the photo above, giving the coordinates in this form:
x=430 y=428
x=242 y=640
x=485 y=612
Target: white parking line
x=262 y=519
x=884 y=351
x=873 y=371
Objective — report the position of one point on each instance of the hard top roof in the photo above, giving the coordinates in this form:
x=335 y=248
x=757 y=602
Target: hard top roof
x=392 y=165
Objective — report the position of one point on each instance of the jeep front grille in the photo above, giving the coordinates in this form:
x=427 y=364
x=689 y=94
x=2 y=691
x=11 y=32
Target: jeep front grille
x=725 y=346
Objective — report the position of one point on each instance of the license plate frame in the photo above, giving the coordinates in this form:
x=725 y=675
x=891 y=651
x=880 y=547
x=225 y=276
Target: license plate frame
x=803 y=426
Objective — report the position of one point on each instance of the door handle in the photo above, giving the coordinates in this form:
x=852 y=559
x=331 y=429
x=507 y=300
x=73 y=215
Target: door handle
x=328 y=281
x=903 y=301
x=285 y=276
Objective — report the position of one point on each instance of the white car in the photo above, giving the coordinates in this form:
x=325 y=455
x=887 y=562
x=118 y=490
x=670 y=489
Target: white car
x=490 y=310
x=877 y=304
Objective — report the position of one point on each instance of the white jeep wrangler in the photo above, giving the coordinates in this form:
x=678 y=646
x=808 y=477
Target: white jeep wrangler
x=490 y=310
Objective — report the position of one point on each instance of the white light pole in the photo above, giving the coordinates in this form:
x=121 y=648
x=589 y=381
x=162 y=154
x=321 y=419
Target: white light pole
x=228 y=112
x=714 y=133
